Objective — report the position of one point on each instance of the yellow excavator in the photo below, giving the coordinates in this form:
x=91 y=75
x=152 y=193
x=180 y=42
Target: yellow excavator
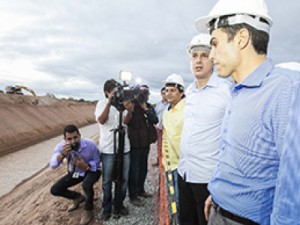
x=18 y=90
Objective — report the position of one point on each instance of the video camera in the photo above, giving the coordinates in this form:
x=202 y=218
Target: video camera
x=141 y=93
x=124 y=92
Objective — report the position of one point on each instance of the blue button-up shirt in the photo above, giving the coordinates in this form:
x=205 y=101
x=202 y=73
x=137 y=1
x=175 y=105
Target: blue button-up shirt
x=88 y=151
x=257 y=174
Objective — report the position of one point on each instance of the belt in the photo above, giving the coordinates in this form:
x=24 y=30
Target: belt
x=232 y=216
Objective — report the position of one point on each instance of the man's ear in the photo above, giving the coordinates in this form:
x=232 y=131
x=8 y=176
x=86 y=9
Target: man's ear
x=243 y=38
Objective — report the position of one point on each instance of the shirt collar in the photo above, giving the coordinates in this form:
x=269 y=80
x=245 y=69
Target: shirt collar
x=212 y=82
x=178 y=105
x=256 y=78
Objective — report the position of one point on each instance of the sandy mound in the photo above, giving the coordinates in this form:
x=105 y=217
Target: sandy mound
x=25 y=120
x=31 y=202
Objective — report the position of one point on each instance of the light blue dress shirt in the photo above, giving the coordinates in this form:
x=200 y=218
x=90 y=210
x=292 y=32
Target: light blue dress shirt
x=88 y=151
x=203 y=114
x=258 y=170
x=286 y=206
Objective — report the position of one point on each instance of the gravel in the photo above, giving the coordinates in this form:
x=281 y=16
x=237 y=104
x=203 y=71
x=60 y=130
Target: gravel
x=147 y=214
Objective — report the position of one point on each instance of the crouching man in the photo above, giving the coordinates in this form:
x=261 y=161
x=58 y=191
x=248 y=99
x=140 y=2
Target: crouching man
x=83 y=160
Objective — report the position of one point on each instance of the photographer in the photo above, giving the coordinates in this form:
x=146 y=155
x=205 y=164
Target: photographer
x=140 y=136
x=83 y=166
x=107 y=116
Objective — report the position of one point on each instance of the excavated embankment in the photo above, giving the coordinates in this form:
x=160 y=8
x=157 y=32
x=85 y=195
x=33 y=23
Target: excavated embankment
x=26 y=120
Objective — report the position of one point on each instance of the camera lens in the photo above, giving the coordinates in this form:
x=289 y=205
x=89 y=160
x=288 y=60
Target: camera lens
x=74 y=146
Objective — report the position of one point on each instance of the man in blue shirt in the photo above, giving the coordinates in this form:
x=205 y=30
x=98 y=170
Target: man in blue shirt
x=160 y=107
x=255 y=181
x=83 y=166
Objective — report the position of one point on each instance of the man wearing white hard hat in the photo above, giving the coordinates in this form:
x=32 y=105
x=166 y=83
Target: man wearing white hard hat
x=255 y=180
x=172 y=127
x=206 y=100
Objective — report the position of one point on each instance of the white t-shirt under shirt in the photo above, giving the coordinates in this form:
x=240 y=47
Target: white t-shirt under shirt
x=106 y=141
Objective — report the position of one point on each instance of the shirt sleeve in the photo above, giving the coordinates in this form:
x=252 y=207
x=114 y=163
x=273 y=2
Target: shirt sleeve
x=99 y=109
x=152 y=115
x=95 y=159
x=53 y=162
x=286 y=205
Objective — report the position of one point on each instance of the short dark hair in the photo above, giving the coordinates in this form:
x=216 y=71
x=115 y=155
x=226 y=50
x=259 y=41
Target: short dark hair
x=162 y=89
x=109 y=85
x=260 y=39
x=70 y=129
x=178 y=86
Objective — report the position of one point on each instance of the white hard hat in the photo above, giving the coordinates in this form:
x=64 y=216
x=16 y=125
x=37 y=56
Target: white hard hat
x=174 y=79
x=201 y=40
x=250 y=12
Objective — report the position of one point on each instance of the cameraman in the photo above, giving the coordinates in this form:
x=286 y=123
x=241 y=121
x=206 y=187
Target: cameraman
x=83 y=166
x=143 y=117
x=108 y=118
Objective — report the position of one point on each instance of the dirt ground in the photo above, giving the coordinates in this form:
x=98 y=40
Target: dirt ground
x=24 y=121
x=30 y=202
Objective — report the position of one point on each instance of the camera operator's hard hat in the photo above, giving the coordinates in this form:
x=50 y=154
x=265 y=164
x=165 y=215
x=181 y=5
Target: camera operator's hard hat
x=174 y=79
x=251 y=12
x=201 y=41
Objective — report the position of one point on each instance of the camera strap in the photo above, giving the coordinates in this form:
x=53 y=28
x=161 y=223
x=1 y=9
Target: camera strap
x=71 y=161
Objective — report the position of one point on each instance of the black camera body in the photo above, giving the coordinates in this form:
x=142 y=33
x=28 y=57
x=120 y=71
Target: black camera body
x=75 y=146
x=141 y=97
x=141 y=93
x=124 y=92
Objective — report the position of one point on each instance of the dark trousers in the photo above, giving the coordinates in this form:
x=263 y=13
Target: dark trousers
x=191 y=202
x=60 y=188
x=138 y=171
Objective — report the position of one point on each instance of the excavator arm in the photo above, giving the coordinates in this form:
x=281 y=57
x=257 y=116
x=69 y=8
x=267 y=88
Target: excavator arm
x=18 y=90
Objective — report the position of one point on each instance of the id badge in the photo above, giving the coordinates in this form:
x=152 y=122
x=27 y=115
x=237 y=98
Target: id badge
x=75 y=175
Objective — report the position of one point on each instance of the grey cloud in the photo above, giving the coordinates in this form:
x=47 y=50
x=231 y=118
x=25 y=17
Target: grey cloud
x=93 y=40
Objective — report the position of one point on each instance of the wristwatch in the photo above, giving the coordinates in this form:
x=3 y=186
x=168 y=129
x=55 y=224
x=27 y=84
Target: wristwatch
x=87 y=168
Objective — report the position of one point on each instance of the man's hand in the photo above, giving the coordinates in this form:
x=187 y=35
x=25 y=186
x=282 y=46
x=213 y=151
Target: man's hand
x=66 y=149
x=144 y=106
x=64 y=152
x=80 y=163
x=207 y=207
x=110 y=95
x=102 y=118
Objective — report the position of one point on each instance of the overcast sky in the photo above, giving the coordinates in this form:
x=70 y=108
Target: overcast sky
x=69 y=48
